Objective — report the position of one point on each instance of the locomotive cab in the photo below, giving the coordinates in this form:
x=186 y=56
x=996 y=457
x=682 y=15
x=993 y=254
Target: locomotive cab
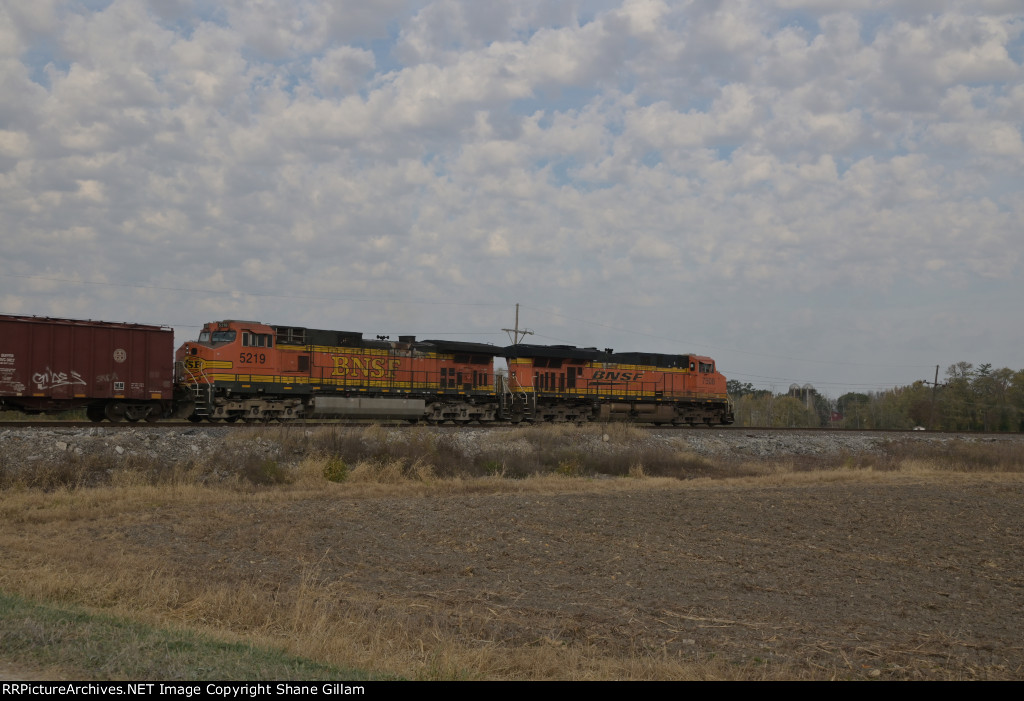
x=226 y=345
x=227 y=358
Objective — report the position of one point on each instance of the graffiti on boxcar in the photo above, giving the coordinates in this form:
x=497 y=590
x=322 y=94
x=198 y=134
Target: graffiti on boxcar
x=51 y=379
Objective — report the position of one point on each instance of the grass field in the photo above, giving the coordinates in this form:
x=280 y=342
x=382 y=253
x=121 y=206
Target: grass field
x=152 y=570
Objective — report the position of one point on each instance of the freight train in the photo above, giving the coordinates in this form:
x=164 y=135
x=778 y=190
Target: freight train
x=250 y=371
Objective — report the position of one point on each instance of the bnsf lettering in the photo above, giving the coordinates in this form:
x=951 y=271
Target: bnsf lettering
x=621 y=376
x=364 y=368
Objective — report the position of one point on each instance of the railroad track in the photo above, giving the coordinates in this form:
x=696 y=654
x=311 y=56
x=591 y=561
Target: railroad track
x=448 y=426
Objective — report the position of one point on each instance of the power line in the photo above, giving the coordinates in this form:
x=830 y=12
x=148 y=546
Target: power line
x=719 y=348
x=161 y=288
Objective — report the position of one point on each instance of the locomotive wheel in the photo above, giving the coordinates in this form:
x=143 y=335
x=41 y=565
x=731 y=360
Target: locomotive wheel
x=113 y=412
x=134 y=413
x=94 y=413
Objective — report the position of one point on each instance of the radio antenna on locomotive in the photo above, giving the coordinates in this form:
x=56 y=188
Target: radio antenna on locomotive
x=517 y=334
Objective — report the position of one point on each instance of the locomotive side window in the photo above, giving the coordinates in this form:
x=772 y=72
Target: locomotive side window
x=257 y=340
x=204 y=337
x=448 y=377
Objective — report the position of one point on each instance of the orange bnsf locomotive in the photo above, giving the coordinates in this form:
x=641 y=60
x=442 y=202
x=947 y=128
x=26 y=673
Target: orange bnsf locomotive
x=256 y=372
x=252 y=371
x=565 y=383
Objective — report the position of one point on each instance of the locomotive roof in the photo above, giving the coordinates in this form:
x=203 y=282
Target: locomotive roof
x=662 y=360
x=464 y=347
x=529 y=350
x=301 y=336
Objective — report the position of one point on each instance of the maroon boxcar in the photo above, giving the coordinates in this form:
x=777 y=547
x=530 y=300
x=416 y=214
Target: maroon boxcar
x=115 y=370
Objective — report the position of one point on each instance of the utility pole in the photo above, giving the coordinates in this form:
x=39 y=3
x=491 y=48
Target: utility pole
x=935 y=386
x=517 y=334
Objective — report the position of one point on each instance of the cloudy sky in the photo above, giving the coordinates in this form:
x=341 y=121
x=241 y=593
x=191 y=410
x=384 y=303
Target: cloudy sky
x=806 y=190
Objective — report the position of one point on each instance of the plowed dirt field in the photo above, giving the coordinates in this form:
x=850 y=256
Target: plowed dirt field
x=912 y=580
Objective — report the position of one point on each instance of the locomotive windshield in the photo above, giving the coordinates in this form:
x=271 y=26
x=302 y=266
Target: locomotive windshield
x=217 y=337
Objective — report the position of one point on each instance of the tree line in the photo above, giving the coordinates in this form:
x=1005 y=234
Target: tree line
x=970 y=399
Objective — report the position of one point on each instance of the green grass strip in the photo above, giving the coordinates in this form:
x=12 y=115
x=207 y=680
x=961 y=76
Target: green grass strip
x=96 y=647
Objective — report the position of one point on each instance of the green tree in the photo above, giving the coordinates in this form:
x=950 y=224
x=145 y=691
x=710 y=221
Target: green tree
x=854 y=408
x=957 y=398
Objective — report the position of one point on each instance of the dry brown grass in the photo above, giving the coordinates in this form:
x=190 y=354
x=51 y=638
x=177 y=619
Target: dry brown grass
x=48 y=560
x=317 y=618
x=60 y=536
